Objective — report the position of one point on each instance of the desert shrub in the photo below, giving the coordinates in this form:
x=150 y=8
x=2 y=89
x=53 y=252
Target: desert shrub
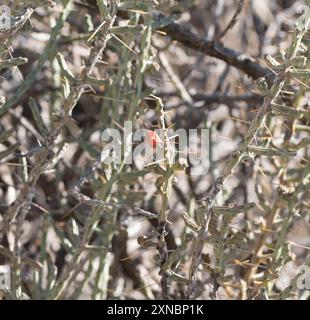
x=74 y=225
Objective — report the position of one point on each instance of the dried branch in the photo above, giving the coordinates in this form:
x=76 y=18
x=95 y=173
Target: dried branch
x=215 y=49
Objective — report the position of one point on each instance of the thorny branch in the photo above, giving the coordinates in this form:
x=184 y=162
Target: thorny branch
x=109 y=198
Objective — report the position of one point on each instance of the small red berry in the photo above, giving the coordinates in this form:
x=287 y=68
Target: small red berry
x=152 y=139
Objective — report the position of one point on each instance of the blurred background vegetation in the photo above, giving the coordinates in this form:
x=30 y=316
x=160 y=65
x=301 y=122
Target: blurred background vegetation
x=73 y=227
